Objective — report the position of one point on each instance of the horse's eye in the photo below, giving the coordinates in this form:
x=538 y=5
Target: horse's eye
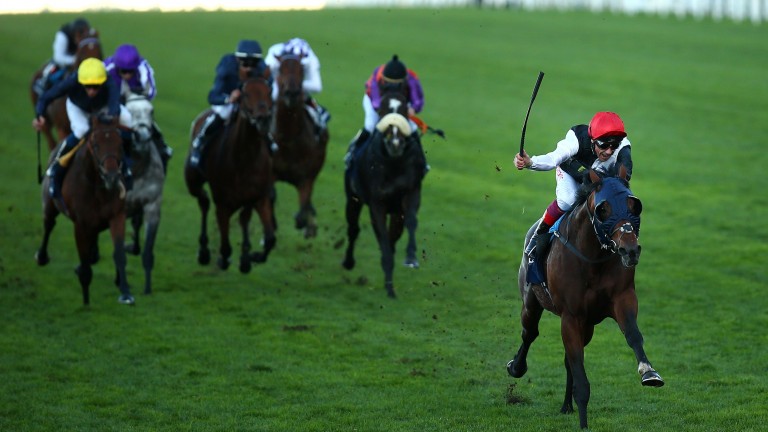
x=635 y=205
x=603 y=210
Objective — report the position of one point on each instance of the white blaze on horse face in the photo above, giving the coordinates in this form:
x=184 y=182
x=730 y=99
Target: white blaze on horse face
x=142 y=113
x=394 y=105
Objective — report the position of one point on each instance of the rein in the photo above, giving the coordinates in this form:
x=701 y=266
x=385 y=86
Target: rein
x=573 y=248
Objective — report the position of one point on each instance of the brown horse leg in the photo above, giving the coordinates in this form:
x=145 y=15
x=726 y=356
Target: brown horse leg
x=573 y=333
x=117 y=230
x=411 y=223
x=49 y=222
x=225 y=250
x=267 y=216
x=195 y=187
x=530 y=315
x=245 y=249
x=305 y=218
x=84 y=239
x=625 y=310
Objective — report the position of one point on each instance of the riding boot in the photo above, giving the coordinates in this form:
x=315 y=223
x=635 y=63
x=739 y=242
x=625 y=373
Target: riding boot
x=361 y=137
x=57 y=171
x=541 y=229
x=209 y=129
x=162 y=147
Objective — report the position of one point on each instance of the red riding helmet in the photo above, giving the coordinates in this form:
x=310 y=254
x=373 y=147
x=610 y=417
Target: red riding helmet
x=605 y=124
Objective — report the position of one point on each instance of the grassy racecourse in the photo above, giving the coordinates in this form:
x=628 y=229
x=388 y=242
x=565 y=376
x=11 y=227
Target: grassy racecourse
x=301 y=344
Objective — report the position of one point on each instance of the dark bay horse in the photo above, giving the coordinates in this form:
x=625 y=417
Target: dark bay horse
x=385 y=173
x=238 y=170
x=590 y=274
x=88 y=45
x=93 y=197
x=301 y=148
x=144 y=200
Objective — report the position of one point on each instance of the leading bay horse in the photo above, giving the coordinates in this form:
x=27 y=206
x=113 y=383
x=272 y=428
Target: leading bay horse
x=144 y=200
x=238 y=170
x=385 y=173
x=88 y=46
x=301 y=148
x=590 y=276
x=93 y=197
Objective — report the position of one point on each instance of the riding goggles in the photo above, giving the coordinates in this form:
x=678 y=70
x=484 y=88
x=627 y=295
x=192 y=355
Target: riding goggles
x=606 y=143
x=248 y=62
x=126 y=71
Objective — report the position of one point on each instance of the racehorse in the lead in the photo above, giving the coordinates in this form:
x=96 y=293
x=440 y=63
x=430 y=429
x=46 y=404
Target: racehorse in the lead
x=589 y=275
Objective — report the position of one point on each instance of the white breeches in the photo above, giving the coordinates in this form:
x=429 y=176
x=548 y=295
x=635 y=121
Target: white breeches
x=224 y=111
x=566 y=189
x=79 y=120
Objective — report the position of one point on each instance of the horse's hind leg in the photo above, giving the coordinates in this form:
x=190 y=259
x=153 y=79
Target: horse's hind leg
x=626 y=316
x=306 y=217
x=530 y=315
x=576 y=334
x=134 y=248
x=204 y=203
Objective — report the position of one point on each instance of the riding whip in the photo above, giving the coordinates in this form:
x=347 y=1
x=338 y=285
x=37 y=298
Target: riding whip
x=533 y=97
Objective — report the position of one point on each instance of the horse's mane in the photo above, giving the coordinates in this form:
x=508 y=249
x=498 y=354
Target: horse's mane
x=587 y=186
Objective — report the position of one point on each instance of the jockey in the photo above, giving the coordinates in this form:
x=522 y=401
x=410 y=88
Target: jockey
x=312 y=84
x=133 y=74
x=602 y=145
x=246 y=62
x=392 y=75
x=89 y=91
x=64 y=51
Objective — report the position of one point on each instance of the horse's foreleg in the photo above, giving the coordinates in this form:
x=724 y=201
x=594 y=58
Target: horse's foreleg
x=411 y=223
x=353 y=209
x=84 y=240
x=49 y=221
x=625 y=311
x=573 y=334
x=117 y=229
x=134 y=248
x=245 y=248
x=148 y=256
x=386 y=246
x=204 y=203
x=266 y=214
x=305 y=218
x=225 y=250
x=530 y=315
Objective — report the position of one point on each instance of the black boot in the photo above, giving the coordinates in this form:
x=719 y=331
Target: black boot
x=361 y=137
x=209 y=129
x=56 y=171
x=541 y=229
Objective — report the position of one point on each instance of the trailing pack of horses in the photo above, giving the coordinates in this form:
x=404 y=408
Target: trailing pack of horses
x=588 y=270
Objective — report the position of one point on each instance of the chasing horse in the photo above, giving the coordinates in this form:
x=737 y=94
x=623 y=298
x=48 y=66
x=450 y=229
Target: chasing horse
x=144 y=200
x=74 y=43
x=301 y=141
x=586 y=275
x=93 y=197
x=385 y=173
x=238 y=170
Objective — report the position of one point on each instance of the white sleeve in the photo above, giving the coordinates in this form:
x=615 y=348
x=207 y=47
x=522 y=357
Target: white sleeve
x=312 y=81
x=60 y=56
x=271 y=58
x=566 y=149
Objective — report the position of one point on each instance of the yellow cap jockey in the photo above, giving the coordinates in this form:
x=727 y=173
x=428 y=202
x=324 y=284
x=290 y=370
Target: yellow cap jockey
x=91 y=72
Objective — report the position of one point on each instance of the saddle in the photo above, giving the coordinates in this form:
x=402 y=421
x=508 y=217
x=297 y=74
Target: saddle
x=537 y=274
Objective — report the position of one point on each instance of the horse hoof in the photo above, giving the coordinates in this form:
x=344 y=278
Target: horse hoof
x=245 y=264
x=223 y=263
x=132 y=249
x=42 y=258
x=652 y=379
x=126 y=300
x=203 y=257
x=348 y=264
x=513 y=371
x=412 y=263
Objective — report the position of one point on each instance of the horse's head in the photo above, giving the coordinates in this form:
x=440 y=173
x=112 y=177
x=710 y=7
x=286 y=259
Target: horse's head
x=393 y=101
x=105 y=144
x=88 y=46
x=290 y=80
x=256 y=103
x=142 y=112
x=615 y=215
x=395 y=131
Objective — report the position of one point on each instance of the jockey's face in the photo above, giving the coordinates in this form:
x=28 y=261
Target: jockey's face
x=126 y=73
x=605 y=147
x=92 y=90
